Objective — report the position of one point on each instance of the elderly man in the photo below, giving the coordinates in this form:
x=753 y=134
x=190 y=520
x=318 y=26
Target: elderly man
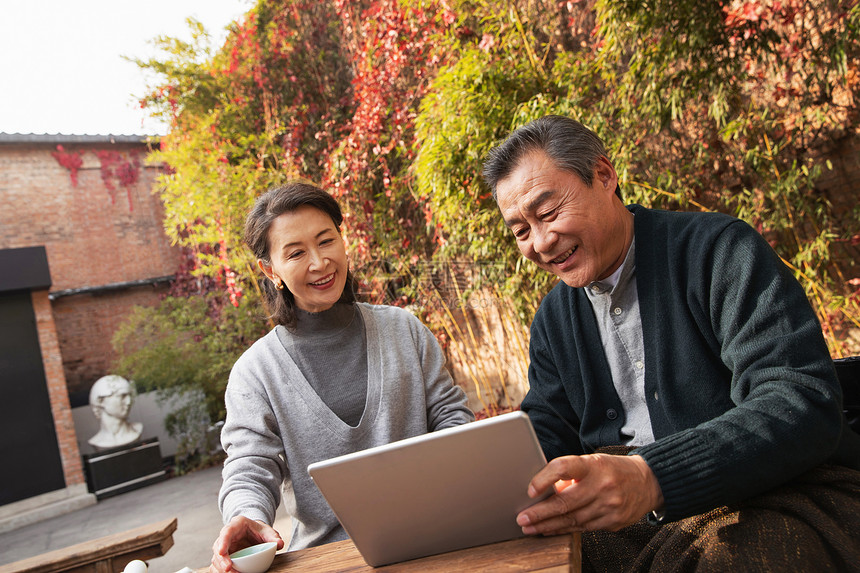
x=683 y=338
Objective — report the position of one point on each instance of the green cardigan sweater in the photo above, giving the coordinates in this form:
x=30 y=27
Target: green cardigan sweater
x=740 y=386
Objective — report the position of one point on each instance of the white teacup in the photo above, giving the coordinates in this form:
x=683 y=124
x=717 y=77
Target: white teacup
x=254 y=559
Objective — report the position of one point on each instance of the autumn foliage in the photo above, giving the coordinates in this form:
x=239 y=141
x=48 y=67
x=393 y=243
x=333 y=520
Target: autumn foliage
x=734 y=106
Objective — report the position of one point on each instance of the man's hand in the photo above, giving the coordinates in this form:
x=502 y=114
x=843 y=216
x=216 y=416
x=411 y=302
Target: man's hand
x=597 y=491
x=241 y=532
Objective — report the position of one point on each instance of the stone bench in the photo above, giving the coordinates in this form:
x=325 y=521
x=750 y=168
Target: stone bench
x=108 y=554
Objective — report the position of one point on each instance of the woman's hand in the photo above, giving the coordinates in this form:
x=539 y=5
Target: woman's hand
x=241 y=532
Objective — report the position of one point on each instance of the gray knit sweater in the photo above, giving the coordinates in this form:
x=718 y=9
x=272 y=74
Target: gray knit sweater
x=277 y=425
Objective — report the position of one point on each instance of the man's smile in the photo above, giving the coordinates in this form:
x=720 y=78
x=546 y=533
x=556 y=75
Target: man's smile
x=564 y=256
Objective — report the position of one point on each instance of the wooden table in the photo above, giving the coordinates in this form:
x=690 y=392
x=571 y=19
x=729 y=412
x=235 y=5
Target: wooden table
x=561 y=553
x=103 y=555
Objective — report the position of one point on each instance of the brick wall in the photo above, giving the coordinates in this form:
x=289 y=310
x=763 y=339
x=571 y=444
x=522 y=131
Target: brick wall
x=73 y=471
x=93 y=237
x=86 y=325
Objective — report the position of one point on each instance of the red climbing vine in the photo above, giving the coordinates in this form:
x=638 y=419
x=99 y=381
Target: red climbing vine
x=71 y=160
x=119 y=169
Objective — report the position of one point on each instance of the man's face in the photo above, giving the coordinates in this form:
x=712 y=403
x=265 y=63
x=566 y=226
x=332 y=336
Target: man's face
x=580 y=233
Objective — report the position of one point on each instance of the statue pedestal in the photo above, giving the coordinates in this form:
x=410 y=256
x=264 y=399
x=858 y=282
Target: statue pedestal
x=118 y=470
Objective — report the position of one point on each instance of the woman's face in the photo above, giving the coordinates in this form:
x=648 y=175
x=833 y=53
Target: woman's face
x=308 y=254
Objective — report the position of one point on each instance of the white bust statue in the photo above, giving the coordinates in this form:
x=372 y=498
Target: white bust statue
x=111 y=398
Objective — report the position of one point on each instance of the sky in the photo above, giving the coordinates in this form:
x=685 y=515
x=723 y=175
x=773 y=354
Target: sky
x=61 y=61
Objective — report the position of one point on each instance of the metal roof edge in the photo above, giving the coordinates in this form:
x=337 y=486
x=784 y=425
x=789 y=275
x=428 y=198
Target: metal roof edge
x=64 y=139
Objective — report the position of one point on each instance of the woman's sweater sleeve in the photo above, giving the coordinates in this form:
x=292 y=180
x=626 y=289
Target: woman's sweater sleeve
x=446 y=402
x=255 y=466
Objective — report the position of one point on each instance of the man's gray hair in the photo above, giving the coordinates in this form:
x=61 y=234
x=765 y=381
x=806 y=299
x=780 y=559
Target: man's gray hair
x=571 y=146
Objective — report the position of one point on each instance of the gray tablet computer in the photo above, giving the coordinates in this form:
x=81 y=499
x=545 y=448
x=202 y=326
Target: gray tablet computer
x=446 y=490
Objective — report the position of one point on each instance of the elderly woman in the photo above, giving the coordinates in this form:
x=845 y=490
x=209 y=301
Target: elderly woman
x=333 y=377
